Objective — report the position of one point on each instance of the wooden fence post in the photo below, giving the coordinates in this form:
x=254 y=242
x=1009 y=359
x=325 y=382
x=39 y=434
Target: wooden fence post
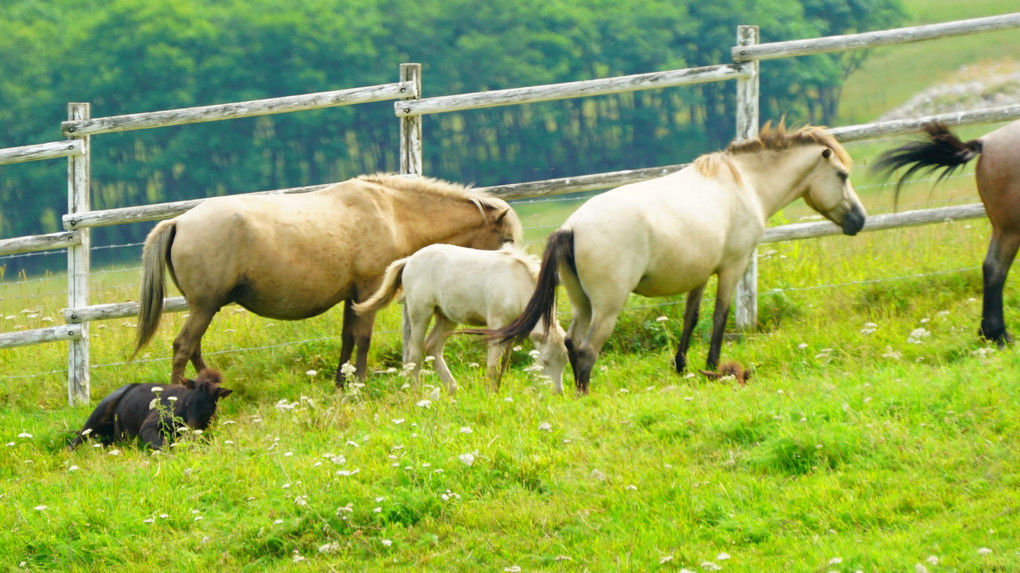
x=746 y=314
x=410 y=162
x=410 y=126
x=78 y=179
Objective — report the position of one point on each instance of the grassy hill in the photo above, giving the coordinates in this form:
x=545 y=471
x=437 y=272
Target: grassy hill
x=878 y=432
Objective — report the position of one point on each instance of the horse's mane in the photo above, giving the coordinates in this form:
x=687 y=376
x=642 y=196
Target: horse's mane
x=419 y=184
x=774 y=138
x=531 y=262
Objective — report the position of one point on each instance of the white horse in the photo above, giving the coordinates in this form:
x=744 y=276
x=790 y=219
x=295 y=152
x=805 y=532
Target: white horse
x=667 y=236
x=459 y=285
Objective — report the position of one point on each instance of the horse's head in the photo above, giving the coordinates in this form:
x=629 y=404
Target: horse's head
x=199 y=403
x=500 y=226
x=551 y=352
x=828 y=190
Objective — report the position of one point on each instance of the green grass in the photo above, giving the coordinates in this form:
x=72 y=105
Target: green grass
x=851 y=448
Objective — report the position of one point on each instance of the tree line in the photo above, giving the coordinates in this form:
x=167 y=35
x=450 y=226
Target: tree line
x=130 y=56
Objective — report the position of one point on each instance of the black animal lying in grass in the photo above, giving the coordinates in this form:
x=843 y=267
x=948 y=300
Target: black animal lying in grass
x=135 y=410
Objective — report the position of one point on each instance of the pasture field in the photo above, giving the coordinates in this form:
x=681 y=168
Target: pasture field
x=878 y=433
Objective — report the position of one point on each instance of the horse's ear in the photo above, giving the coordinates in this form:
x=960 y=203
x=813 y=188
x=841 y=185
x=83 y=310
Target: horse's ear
x=502 y=214
x=711 y=375
x=826 y=153
x=189 y=384
x=222 y=392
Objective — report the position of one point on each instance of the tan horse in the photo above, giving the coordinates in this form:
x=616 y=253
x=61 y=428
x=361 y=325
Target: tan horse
x=998 y=183
x=473 y=287
x=667 y=236
x=295 y=256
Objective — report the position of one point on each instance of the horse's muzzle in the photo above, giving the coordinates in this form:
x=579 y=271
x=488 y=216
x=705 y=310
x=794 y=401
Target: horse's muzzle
x=853 y=221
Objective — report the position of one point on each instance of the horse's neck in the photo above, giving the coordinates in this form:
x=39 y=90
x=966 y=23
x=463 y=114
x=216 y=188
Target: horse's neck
x=775 y=178
x=438 y=219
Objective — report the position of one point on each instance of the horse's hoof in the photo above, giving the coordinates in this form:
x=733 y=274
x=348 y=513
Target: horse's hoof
x=1000 y=339
x=680 y=364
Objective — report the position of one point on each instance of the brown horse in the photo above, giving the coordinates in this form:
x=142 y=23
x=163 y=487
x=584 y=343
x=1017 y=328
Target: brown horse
x=296 y=256
x=998 y=184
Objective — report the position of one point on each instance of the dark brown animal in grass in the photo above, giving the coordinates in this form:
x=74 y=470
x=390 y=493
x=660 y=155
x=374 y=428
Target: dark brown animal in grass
x=135 y=410
x=998 y=183
x=734 y=369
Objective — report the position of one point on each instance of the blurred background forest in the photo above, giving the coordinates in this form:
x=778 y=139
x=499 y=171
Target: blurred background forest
x=129 y=56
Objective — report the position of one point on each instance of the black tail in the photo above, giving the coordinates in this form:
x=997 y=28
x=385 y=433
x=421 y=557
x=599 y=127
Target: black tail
x=941 y=150
x=542 y=306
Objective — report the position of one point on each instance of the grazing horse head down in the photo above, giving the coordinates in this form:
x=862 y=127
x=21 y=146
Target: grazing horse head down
x=154 y=412
x=667 y=236
x=456 y=285
x=998 y=184
x=295 y=256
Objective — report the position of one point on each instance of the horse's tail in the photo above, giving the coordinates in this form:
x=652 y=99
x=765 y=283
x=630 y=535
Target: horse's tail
x=392 y=282
x=942 y=149
x=542 y=305
x=153 y=287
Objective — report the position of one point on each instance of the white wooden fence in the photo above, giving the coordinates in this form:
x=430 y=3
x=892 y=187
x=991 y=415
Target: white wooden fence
x=744 y=70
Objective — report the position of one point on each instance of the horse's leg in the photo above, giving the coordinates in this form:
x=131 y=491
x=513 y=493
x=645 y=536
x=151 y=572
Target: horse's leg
x=189 y=340
x=1001 y=252
x=691 y=312
x=196 y=358
x=346 y=340
x=434 y=343
x=363 y=340
x=723 y=299
x=579 y=321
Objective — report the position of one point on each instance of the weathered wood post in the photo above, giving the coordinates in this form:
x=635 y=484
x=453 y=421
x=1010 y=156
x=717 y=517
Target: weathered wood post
x=410 y=125
x=410 y=160
x=746 y=314
x=78 y=176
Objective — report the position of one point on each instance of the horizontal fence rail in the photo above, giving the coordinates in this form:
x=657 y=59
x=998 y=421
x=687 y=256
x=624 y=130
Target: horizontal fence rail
x=578 y=184
x=583 y=88
x=156 y=211
x=252 y=108
x=882 y=222
x=39 y=243
x=904 y=126
x=828 y=44
x=118 y=310
x=40 y=335
x=41 y=151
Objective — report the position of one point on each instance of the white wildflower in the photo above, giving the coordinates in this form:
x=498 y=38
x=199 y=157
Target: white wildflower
x=424 y=403
x=41 y=508
x=917 y=335
x=984 y=551
x=662 y=319
x=24 y=435
x=310 y=374
x=329 y=548
x=386 y=542
x=467 y=459
x=465 y=430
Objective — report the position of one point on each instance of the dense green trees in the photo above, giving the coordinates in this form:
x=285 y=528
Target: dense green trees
x=128 y=56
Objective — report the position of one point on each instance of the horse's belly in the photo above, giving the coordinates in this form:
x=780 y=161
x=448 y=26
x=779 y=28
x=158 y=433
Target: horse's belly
x=669 y=285
x=275 y=303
